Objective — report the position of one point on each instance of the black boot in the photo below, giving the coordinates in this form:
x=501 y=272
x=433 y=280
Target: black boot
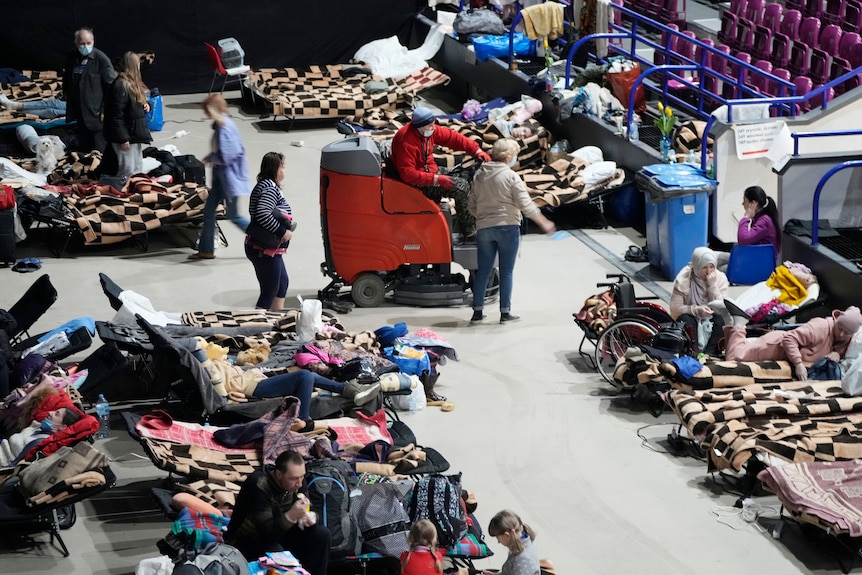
x=428 y=381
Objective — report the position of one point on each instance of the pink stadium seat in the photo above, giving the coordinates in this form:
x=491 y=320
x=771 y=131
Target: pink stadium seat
x=803 y=86
x=762 y=45
x=809 y=31
x=800 y=54
x=790 y=24
x=737 y=7
x=727 y=32
x=754 y=11
x=818 y=69
x=848 y=40
x=758 y=81
x=813 y=8
x=744 y=35
x=830 y=38
x=855 y=56
x=669 y=42
x=776 y=88
x=834 y=12
x=780 y=54
x=772 y=16
x=852 y=21
x=794 y=5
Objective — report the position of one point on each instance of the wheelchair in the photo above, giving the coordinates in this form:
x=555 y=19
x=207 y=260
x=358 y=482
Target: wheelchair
x=636 y=322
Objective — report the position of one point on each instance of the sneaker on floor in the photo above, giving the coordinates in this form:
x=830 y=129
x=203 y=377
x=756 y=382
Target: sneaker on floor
x=201 y=256
x=477 y=316
x=507 y=317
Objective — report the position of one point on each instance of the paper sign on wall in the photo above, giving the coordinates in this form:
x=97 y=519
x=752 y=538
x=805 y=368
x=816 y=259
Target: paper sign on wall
x=754 y=140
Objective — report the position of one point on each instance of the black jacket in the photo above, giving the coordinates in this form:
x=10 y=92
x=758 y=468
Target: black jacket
x=85 y=103
x=125 y=119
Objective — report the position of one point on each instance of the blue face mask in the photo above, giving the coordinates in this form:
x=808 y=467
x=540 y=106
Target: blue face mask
x=85 y=49
x=512 y=162
x=47 y=425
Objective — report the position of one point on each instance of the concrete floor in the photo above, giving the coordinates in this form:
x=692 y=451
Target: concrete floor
x=534 y=428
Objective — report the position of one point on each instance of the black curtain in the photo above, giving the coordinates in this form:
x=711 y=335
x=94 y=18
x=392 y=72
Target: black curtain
x=39 y=33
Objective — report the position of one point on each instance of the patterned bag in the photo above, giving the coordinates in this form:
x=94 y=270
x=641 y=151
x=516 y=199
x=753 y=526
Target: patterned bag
x=382 y=519
x=438 y=499
x=597 y=312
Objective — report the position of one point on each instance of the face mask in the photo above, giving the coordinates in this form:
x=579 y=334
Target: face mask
x=47 y=425
x=85 y=49
x=427 y=133
x=511 y=163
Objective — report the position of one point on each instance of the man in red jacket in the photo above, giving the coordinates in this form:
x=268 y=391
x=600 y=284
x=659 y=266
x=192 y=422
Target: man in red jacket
x=413 y=158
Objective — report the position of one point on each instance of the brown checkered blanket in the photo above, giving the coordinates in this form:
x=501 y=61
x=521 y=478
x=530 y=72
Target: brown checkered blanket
x=198 y=462
x=336 y=90
x=108 y=219
x=42 y=86
x=795 y=421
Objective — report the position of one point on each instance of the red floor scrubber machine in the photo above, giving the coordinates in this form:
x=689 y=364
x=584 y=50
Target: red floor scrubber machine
x=381 y=235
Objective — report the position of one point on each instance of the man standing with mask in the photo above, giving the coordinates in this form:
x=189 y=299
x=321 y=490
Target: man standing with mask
x=413 y=158
x=87 y=76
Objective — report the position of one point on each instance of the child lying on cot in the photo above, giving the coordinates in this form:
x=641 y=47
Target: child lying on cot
x=16 y=446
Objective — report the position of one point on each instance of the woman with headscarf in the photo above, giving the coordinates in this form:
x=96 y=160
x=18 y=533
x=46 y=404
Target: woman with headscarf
x=695 y=286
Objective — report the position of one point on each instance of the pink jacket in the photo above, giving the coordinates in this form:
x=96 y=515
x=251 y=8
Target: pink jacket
x=805 y=344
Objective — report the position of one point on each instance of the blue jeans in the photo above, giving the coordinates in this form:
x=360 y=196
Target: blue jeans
x=206 y=243
x=496 y=242
x=271 y=275
x=299 y=384
x=45 y=109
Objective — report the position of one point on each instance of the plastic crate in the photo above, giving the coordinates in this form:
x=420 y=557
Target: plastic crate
x=231 y=53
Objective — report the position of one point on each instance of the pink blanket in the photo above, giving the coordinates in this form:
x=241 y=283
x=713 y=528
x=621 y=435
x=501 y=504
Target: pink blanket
x=159 y=425
x=362 y=429
x=831 y=491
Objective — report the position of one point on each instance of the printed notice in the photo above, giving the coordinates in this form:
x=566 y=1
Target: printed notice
x=754 y=140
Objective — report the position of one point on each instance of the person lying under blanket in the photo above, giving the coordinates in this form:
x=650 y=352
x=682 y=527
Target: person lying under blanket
x=817 y=338
x=13 y=448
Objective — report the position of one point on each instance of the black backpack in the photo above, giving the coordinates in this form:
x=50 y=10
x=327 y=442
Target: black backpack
x=438 y=499
x=328 y=484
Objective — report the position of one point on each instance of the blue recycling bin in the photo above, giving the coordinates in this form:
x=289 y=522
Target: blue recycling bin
x=677 y=214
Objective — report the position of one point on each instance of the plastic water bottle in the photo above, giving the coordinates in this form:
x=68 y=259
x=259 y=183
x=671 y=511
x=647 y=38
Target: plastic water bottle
x=634 y=131
x=692 y=158
x=103 y=413
x=411 y=404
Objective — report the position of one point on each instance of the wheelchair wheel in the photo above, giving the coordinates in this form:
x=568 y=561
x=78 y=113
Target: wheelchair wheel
x=616 y=339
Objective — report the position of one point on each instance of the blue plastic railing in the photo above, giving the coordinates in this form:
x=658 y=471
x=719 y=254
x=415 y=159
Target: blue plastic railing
x=815 y=209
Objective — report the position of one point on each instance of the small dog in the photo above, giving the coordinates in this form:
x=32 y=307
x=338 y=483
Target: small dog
x=49 y=151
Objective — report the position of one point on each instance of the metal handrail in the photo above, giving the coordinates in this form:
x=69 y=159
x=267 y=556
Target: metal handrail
x=815 y=209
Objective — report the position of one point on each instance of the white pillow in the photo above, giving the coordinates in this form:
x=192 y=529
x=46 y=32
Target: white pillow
x=589 y=154
x=598 y=172
x=855 y=347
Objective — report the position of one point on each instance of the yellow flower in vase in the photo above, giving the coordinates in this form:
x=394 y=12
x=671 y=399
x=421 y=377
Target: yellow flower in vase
x=665 y=121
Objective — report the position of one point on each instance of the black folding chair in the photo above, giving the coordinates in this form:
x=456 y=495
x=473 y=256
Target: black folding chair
x=16 y=516
x=38 y=298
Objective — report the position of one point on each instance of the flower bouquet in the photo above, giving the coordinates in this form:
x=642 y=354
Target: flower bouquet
x=665 y=123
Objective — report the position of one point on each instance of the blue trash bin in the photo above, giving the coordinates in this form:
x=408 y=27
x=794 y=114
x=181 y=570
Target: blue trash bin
x=677 y=213
x=675 y=227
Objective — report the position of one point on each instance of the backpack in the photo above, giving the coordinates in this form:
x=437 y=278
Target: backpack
x=438 y=499
x=214 y=559
x=382 y=519
x=328 y=486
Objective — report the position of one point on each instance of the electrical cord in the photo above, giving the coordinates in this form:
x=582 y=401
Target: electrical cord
x=739 y=517
x=679 y=443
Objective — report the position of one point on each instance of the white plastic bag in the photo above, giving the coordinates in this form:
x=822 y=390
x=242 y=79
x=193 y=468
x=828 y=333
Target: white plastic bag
x=310 y=319
x=415 y=401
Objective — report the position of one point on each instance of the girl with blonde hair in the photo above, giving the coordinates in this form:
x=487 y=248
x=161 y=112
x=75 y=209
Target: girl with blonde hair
x=423 y=557
x=125 y=128
x=518 y=538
